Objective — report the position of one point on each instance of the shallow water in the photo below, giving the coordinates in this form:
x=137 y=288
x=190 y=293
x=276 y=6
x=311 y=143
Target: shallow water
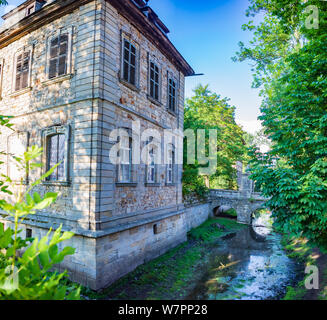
x=248 y=265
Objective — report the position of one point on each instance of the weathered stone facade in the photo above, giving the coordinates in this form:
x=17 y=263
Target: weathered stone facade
x=117 y=226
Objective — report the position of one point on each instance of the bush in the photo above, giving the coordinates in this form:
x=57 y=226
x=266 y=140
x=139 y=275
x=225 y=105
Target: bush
x=25 y=264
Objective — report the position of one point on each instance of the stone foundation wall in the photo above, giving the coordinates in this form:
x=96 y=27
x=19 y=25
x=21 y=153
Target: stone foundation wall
x=100 y=261
x=196 y=215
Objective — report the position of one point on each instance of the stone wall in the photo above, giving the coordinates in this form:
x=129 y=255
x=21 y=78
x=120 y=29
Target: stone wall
x=196 y=215
x=63 y=101
x=128 y=104
x=114 y=224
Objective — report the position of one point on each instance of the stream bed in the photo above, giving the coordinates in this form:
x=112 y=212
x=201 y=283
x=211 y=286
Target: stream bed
x=249 y=265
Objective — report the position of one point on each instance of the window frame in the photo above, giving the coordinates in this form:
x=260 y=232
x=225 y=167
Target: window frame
x=156 y=64
x=31 y=6
x=46 y=134
x=69 y=59
x=130 y=164
x=151 y=166
x=153 y=149
x=29 y=80
x=171 y=77
x=171 y=158
x=128 y=38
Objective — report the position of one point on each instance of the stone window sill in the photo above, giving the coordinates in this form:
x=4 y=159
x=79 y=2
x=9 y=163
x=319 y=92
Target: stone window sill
x=20 y=92
x=171 y=184
x=152 y=184
x=57 y=79
x=129 y=85
x=126 y=184
x=56 y=183
x=154 y=101
x=173 y=113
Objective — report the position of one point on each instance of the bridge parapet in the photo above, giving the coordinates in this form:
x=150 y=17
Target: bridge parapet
x=244 y=203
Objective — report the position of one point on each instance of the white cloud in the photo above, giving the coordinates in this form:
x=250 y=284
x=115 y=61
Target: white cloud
x=250 y=126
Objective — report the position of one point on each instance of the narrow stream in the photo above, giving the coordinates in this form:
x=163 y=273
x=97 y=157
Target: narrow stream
x=249 y=265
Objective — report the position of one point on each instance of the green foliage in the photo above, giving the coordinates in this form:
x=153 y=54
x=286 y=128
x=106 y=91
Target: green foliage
x=293 y=174
x=209 y=231
x=193 y=183
x=25 y=264
x=30 y=278
x=296 y=293
x=207 y=110
x=231 y=212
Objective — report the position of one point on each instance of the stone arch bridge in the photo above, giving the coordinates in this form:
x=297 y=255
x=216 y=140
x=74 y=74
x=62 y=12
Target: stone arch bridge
x=245 y=204
x=245 y=201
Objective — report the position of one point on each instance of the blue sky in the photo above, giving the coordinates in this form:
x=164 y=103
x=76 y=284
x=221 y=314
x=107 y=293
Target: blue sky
x=207 y=34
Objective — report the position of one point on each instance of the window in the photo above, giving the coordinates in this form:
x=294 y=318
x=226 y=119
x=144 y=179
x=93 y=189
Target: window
x=56 y=154
x=125 y=165
x=56 y=141
x=129 y=62
x=30 y=9
x=154 y=81
x=28 y=233
x=170 y=166
x=151 y=171
x=151 y=167
x=172 y=93
x=22 y=70
x=58 y=55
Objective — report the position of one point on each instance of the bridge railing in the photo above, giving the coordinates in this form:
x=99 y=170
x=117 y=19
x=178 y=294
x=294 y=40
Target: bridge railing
x=236 y=194
x=224 y=193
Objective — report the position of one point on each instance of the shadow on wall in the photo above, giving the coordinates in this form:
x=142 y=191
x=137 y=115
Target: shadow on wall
x=225 y=212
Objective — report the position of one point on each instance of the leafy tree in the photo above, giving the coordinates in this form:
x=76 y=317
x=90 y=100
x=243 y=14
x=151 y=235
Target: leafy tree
x=207 y=110
x=294 y=172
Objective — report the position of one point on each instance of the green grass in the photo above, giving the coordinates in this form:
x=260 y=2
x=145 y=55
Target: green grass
x=209 y=232
x=301 y=249
x=232 y=213
x=296 y=293
x=170 y=275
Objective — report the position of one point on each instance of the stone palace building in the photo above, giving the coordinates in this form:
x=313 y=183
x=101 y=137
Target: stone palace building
x=70 y=73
